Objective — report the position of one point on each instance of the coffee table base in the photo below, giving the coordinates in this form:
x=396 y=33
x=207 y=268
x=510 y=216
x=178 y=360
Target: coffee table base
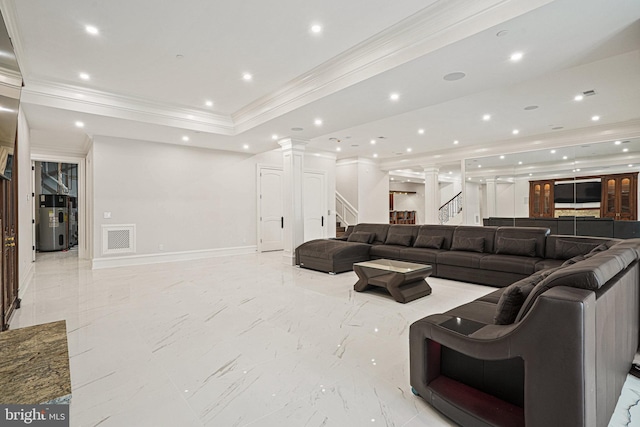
x=403 y=287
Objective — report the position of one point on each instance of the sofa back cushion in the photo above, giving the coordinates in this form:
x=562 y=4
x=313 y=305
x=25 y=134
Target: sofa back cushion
x=361 y=237
x=468 y=244
x=523 y=241
x=565 y=247
x=401 y=235
x=513 y=297
x=430 y=242
x=444 y=231
x=591 y=273
x=462 y=234
x=379 y=231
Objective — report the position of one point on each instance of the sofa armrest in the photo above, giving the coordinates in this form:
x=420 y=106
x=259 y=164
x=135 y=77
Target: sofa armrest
x=556 y=340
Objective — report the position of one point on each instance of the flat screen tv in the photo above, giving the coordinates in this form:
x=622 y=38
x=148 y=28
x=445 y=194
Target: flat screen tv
x=579 y=192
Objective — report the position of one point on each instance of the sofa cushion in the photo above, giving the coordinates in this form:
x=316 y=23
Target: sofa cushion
x=509 y=263
x=521 y=247
x=566 y=249
x=548 y=263
x=539 y=234
x=361 y=237
x=330 y=249
x=399 y=239
x=487 y=233
x=512 y=299
x=386 y=251
x=493 y=297
x=379 y=230
x=469 y=244
x=445 y=231
x=431 y=242
x=479 y=311
x=460 y=258
x=420 y=255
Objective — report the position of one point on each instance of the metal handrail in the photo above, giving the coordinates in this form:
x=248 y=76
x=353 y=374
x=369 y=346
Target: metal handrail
x=450 y=209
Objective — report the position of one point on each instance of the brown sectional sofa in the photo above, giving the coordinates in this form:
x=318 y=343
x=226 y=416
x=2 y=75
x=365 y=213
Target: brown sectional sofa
x=551 y=347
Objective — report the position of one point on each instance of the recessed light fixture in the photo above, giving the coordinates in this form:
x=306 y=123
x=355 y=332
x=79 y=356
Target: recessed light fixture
x=247 y=76
x=373 y=142
x=185 y=138
x=421 y=131
x=451 y=77
x=553 y=151
x=530 y=174
x=318 y=122
x=316 y=29
x=577 y=170
x=456 y=142
x=274 y=136
x=595 y=118
x=502 y=33
x=79 y=124
x=394 y=96
x=515 y=131
x=624 y=150
x=516 y=56
x=579 y=97
x=450 y=172
x=630 y=166
x=84 y=76
x=501 y=157
x=245 y=146
x=479 y=166
x=520 y=162
x=618 y=142
x=91 y=30
x=208 y=103
x=338 y=149
x=375 y=154
x=409 y=150
x=564 y=157
x=486 y=117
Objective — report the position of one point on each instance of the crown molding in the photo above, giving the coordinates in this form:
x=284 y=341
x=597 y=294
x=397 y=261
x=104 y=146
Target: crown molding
x=69 y=97
x=436 y=26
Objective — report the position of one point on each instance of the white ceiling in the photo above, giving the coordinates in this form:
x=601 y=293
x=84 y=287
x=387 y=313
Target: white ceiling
x=368 y=49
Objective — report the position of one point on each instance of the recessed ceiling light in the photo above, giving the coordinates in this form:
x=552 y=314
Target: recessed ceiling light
x=91 y=30
x=451 y=77
x=208 y=103
x=247 y=76
x=564 y=157
x=392 y=178
x=450 y=172
x=421 y=131
x=338 y=149
x=245 y=146
x=630 y=166
x=624 y=150
x=618 y=142
x=375 y=155
x=409 y=150
x=79 y=124
x=530 y=174
x=373 y=142
x=317 y=29
x=185 y=138
x=520 y=162
x=274 y=136
x=577 y=170
x=318 y=122
x=502 y=33
x=595 y=118
x=479 y=166
x=515 y=131
x=456 y=141
x=578 y=97
x=502 y=157
x=84 y=76
x=394 y=96
x=516 y=56
x=486 y=117
x=553 y=151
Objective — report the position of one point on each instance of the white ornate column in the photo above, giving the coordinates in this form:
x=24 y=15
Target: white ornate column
x=293 y=202
x=431 y=195
x=492 y=198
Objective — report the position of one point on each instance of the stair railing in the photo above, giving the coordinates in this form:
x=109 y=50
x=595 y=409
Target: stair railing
x=450 y=209
x=346 y=214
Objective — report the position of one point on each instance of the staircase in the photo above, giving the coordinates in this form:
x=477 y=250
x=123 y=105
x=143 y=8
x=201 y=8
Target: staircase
x=346 y=214
x=451 y=209
x=340 y=229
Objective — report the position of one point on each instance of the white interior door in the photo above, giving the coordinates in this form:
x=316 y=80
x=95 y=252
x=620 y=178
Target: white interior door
x=271 y=209
x=315 y=212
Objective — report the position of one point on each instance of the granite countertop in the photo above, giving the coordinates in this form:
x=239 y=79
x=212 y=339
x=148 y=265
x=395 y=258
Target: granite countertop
x=34 y=365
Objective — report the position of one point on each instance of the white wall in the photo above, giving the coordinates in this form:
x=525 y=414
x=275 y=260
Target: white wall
x=347 y=181
x=472 y=204
x=409 y=202
x=505 y=199
x=328 y=165
x=521 y=207
x=373 y=193
x=25 y=204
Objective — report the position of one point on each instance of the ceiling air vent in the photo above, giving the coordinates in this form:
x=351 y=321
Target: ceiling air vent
x=589 y=92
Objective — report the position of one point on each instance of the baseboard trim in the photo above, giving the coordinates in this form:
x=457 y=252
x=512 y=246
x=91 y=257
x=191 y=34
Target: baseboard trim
x=125 y=261
x=25 y=280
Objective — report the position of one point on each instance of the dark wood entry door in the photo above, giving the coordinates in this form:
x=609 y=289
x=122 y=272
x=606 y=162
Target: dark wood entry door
x=619 y=197
x=9 y=224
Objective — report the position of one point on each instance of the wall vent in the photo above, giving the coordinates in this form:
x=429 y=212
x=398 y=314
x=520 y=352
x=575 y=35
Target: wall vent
x=589 y=92
x=118 y=239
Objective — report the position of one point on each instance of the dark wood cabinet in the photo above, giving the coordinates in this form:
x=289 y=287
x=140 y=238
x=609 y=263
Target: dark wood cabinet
x=9 y=249
x=620 y=197
x=541 y=199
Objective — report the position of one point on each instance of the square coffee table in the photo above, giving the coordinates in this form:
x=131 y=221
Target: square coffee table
x=405 y=281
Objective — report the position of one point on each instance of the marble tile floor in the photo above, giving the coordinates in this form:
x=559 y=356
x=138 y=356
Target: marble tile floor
x=233 y=341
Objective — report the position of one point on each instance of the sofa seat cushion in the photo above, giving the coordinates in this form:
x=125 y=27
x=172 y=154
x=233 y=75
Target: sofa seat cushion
x=329 y=249
x=479 y=311
x=460 y=258
x=420 y=255
x=509 y=263
x=493 y=297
